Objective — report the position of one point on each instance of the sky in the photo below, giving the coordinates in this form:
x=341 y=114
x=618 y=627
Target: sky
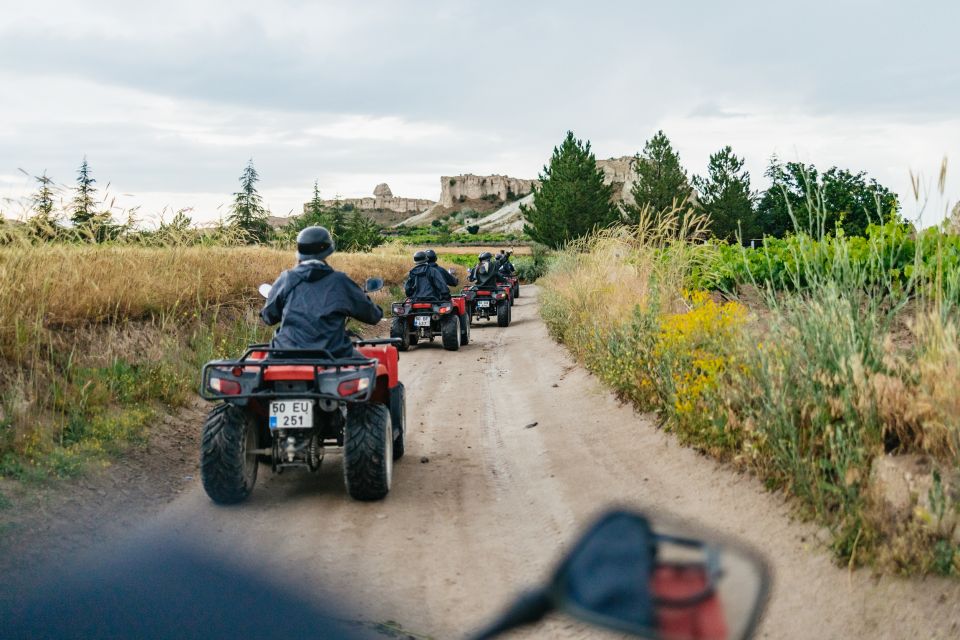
x=168 y=101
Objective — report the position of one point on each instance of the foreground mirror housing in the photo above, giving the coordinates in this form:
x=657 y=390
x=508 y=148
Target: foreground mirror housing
x=373 y=284
x=633 y=575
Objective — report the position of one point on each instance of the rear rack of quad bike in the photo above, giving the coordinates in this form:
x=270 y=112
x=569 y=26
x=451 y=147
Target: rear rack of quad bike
x=243 y=379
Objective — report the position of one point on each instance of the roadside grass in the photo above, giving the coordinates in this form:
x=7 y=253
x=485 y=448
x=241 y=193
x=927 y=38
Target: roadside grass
x=806 y=386
x=97 y=342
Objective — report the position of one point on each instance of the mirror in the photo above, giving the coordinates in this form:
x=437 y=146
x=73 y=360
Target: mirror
x=373 y=284
x=656 y=581
x=264 y=290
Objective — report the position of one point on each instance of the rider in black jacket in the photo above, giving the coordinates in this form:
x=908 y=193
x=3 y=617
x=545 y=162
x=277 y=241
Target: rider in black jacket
x=504 y=266
x=448 y=277
x=486 y=274
x=312 y=302
x=423 y=282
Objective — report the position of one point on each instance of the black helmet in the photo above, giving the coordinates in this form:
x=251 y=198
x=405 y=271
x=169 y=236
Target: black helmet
x=431 y=255
x=420 y=256
x=314 y=243
x=485 y=256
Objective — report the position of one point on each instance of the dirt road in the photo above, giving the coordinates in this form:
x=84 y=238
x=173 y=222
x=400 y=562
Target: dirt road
x=483 y=503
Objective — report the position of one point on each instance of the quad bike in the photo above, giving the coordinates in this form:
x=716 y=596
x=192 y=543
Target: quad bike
x=484 y=303
x=415 y=320
x=287 y=407
x=514 y=283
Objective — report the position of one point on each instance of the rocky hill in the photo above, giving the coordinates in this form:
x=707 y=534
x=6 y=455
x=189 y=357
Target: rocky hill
x=457 y=189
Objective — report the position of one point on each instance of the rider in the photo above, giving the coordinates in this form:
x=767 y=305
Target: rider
x=448 y=278
x=504 y=265
x=485 y=274
x=423 y=282
x=312 y=301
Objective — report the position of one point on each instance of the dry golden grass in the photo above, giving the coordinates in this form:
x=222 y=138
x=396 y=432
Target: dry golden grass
x=67 y=285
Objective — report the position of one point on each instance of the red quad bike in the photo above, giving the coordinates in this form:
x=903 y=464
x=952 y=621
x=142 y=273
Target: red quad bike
x=415 y=320
x=485 y=303
x=287 y=407
x=514 y=283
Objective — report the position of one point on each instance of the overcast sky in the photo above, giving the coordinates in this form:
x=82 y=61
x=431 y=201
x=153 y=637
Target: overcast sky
x=168 y=100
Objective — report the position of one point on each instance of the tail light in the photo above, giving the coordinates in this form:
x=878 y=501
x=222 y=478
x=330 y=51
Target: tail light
x=501 y=296
x=398 y=308
x=350 y=387
x=226 y=387
x=445 y=309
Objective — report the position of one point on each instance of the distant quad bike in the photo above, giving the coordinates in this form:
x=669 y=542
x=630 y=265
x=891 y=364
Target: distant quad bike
x=485 y=303
x=287 y=407
x=416 y=320
x=514 y=283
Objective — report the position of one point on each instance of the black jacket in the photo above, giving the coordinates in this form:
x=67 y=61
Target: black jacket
x=424 y=283
x=486 y=275
x=448 y=278
x=312 y=303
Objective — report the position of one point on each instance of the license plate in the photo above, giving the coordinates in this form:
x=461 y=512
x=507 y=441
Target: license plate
x=421 y=321
x=483 y=303
x=291 y=414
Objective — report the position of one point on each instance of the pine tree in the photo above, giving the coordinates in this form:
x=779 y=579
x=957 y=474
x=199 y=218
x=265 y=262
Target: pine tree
x=724 y=196
x=42 y=223
x=661 y=182
x=315 y=207
x=84 y=207
x=360 y=234
x=572 y=199
x=247 y=213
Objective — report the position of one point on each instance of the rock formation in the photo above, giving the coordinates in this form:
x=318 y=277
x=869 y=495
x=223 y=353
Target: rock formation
x=471 y=187
x=383 y=200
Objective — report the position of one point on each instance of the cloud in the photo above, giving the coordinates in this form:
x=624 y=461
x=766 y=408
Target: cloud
x=173 y=98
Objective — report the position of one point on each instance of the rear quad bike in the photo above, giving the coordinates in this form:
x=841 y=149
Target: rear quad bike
x=485 y=303
x=287 y=407
x=415 y=320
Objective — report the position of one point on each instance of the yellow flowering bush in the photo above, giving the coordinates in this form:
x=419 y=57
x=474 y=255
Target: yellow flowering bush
x=692 y=354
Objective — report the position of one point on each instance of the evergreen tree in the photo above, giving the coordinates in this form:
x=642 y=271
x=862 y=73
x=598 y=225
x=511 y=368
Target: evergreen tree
x=315 y=207
x=661 y=183
x=42 y=223
x=247 y=213
x=360 y=234
x=572 y=199
x=84 y=207
x=724 y=196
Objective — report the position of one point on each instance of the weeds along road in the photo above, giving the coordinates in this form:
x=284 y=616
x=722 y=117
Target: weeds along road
x=495 y=501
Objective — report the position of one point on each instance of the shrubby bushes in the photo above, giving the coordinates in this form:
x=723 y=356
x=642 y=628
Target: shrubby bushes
x=844 y=351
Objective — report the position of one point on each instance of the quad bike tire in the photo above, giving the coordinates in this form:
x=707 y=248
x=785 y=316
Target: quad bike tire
x=399 y=329
x=503 y=315
x=516 y=290
x=450 y=332
x=464 y=329
x=227 y=471
x=368 y=451
x=398 y=418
